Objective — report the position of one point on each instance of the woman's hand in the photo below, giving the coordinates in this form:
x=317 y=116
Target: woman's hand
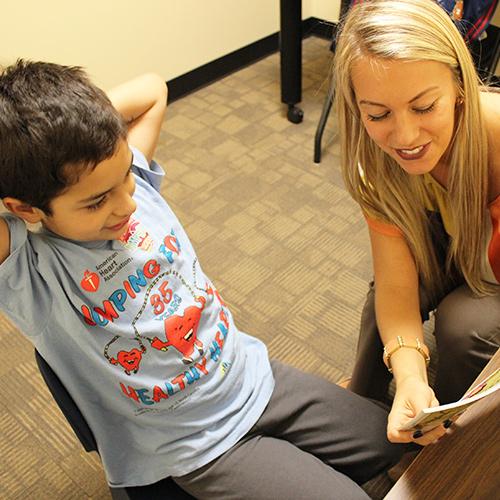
x=412 y=395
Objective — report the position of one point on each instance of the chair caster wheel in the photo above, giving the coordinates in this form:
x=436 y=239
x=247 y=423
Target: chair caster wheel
x=294 y=115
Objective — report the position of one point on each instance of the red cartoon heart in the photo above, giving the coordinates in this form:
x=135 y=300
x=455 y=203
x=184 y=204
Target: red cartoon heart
x=90 y=281
x=129 y=360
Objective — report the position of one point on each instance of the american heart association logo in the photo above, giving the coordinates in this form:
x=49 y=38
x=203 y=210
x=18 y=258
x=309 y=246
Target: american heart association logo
x=90 y=281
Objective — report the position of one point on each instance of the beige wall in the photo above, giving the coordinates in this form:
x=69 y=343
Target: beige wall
x=328 y=10
x=117 y=39
x=496 y=17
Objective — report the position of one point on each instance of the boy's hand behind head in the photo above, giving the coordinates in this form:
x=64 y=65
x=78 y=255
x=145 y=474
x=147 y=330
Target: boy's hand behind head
x=142 y=102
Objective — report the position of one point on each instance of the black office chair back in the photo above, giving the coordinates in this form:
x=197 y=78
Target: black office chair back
x=164 y=489
x=66 y=405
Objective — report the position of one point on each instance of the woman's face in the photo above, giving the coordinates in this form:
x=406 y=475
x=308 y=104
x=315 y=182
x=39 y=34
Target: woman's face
x=407 y=108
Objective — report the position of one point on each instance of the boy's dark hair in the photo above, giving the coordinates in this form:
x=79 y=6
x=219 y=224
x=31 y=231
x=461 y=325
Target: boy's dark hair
x=54 y=124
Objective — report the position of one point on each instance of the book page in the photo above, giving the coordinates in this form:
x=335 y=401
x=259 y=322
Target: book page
x=432 y=417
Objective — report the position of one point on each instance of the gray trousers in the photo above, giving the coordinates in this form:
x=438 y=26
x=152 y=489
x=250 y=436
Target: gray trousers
x=467 y=332
x=315 y=440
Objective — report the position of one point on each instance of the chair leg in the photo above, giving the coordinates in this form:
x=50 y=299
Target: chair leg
x=327 y=106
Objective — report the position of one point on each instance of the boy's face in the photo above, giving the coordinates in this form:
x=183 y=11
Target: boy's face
x=99 y=205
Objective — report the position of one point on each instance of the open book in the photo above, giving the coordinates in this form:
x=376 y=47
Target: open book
x=432 y=417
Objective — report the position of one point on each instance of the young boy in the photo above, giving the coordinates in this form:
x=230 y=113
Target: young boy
x=111 y=294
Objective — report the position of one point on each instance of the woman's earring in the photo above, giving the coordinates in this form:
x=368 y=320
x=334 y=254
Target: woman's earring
x=459 y=102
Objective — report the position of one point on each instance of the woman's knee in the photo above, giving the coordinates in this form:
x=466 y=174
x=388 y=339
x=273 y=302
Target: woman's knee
x=462 y=318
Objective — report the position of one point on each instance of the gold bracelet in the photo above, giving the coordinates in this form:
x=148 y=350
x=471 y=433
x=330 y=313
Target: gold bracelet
x=400 y=342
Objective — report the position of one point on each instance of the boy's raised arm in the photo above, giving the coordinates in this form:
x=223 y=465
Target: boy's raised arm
x=4 y=240
x=142 y=102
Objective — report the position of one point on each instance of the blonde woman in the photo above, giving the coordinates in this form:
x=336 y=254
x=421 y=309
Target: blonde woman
x=420 y=141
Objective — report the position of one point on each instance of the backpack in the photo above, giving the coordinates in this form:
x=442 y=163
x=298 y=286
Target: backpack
x=472 y=17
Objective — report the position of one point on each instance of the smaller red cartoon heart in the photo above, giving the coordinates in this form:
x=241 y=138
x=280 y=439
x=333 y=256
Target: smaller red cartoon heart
x=90 y=281
x=130 y=360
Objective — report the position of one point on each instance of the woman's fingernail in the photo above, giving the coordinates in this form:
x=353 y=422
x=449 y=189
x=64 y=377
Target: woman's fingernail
x=417 y=434
x=447 y=423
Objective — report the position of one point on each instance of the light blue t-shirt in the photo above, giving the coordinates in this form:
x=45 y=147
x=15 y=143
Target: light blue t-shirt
x=141 y=339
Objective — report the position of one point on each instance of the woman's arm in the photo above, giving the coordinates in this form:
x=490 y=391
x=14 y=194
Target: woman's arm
x=398 y=314
x=142 y=103
x=396 y=298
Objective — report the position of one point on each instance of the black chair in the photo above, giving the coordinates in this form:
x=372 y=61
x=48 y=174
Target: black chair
x=327 y=105
x=164 y=489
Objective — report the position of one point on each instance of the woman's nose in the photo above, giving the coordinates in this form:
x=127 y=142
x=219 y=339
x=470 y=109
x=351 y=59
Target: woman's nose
x=405 y=132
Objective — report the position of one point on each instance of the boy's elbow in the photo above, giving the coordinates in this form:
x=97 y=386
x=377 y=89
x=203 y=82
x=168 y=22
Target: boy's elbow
x=164 y=92
x=159 y=85
x=164 y=89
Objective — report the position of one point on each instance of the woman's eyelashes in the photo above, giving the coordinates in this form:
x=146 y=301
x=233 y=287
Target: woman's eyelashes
x=420 y=111
x=427 y=109
x=377 y=118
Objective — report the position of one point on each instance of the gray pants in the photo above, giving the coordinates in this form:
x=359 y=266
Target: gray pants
x=467 y=331
x=315 y=440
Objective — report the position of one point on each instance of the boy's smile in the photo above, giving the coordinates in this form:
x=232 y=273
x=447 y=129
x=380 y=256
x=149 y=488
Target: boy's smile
x=99 y=205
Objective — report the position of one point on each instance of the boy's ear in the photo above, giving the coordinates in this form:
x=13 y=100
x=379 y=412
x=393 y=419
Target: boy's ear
x=23 y=210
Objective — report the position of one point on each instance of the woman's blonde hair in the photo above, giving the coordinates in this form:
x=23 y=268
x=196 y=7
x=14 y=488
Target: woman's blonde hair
x=416 y=30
